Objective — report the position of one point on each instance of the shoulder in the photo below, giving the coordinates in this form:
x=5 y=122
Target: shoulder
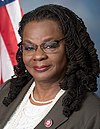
x=88 y=117
x=92 y=102
x=90 y=106
x=90 y=111
x=4 y=88
x=5 y=85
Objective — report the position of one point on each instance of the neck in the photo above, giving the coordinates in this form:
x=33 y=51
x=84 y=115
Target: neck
x=45 y=92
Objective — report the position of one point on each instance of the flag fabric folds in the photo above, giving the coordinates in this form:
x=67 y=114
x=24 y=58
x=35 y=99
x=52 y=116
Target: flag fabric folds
x=10 y=15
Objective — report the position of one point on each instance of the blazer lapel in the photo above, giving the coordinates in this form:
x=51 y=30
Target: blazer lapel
x=54 y=118
x=6 y=112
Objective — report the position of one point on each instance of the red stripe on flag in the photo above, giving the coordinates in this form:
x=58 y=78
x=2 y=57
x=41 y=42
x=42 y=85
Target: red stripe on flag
x=1 y=81
x=8 y=34
x=10 y=16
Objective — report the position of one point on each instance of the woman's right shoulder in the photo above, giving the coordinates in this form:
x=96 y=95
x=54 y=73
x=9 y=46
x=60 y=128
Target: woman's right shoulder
x=5 y=85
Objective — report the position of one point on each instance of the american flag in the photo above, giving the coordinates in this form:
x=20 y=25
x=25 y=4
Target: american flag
x=10 y=15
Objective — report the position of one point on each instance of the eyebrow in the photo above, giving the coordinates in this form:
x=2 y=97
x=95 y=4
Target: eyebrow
x=27 y=42
x=31 y=43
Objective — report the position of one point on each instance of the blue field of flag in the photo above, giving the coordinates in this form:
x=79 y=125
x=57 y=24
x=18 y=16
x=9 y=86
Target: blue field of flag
x=4 y=2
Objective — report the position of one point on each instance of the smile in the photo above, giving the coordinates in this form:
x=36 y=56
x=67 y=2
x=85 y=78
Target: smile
x=41 y=68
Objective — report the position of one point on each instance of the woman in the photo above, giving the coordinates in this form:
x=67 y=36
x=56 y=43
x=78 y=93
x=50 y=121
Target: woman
x=56 y=75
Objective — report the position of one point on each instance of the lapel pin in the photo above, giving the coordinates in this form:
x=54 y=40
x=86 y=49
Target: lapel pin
x=48 y=123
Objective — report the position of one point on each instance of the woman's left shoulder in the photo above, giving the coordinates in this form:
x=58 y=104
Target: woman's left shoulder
x=92 y=99
x=91 y=103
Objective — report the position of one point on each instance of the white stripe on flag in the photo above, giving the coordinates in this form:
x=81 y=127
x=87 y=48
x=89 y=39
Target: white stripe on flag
x=14 y=12
x=5 y=62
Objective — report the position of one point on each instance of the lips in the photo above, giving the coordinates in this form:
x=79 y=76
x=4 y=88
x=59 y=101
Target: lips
x=41 y=68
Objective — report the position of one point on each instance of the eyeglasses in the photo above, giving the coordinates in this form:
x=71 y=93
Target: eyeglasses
x=48 y=47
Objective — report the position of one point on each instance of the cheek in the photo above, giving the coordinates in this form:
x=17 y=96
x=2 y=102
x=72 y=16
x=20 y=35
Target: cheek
x=60 y=60
x=26 y=59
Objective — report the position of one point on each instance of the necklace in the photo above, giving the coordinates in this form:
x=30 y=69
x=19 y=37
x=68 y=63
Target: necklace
x=40 y=102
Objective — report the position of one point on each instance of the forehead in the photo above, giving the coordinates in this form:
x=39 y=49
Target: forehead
x=44 y=26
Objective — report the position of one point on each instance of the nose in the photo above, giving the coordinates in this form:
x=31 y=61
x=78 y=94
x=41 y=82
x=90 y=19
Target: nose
x=39 y=55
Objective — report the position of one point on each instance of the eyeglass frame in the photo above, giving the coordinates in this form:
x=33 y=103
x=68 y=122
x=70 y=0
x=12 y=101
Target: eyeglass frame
x=42 y=46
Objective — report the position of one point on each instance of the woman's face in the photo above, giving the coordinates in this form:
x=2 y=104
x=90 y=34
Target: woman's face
x=44 y=67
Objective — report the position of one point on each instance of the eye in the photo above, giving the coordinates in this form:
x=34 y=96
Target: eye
x=28 y=48
x=51 y=45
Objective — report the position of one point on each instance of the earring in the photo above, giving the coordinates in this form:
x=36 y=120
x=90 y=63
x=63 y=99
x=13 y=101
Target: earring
x=25 y=71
